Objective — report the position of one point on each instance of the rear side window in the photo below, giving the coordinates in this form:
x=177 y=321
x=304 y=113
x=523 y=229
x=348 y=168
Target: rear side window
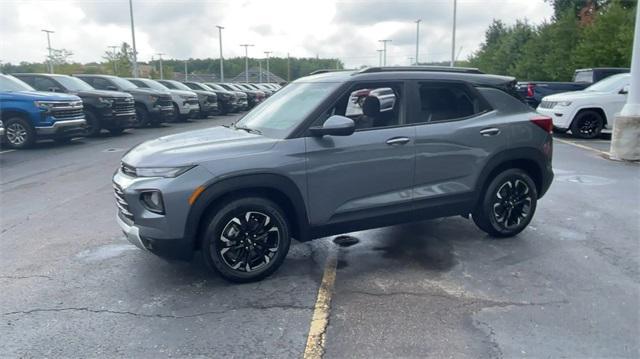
x=503 y=101
x=99 y=83
x=445 y=101
x=44 y=84
x=583 y=76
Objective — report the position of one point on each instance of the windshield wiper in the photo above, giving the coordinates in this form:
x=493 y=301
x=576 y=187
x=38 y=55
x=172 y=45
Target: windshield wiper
x=250 y=130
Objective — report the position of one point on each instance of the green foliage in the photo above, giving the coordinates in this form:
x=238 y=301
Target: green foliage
x=552 y=51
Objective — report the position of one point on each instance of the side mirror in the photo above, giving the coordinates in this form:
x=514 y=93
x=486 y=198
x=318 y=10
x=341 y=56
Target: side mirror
x=625 y=90
x=334 y=126
x=112 y=88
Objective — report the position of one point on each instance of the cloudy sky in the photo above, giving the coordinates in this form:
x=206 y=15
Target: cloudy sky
x=186 y=28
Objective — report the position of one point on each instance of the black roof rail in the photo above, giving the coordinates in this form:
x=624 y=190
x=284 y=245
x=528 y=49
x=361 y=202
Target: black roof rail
x=466 y=70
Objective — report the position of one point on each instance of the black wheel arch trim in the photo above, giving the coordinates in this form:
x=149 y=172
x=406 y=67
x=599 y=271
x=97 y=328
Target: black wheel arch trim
x=218 y=188
x=520 y=154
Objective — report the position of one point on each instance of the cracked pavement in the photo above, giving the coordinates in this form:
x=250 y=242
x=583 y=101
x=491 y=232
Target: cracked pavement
x=569 y=286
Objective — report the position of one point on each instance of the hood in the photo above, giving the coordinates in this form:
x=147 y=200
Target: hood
x=183 y=92
x=204 y=93
x=148 y=91
x=40 y=96
x=574 y=96
x=196 y=147
x=102 y=93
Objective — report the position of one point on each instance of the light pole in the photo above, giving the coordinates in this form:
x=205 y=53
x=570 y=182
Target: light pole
x=246 y=61
x=161 y=69
x=115 y=60
x=380 y=57
x=384 y=48
x=133 y=41
x=48 y=32
x=186 y=71
x=417 y=40
x=453 y=35
x=625 y=140
x=260 y=71
x=268 y=53
x=221 y=65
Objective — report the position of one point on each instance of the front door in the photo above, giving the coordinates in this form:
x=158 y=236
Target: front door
x=370 y=172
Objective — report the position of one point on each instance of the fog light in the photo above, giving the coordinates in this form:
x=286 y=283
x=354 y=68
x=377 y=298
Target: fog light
x=152 y=201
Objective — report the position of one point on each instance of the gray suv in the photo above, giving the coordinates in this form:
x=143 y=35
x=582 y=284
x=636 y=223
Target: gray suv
x=337 y=152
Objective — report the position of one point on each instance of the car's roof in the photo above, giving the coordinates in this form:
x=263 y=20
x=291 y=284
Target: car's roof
x=390 y=75
x=39 y=74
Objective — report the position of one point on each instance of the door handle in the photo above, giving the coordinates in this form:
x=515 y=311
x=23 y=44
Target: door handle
x=398 y=141
x=492 y=131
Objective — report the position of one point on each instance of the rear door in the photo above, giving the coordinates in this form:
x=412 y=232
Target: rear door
x=456 y=132
x=368 y=173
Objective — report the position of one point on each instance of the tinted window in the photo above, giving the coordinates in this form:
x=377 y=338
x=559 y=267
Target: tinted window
x=447 y=101
x=73 y=84
x=503 y=101
x=44 y=84
x=100 y=83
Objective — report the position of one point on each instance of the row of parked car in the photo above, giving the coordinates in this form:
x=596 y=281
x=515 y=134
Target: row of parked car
x=587 y=106
x=46 y=106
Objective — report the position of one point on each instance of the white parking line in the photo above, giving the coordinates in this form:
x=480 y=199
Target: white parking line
x=6 y=151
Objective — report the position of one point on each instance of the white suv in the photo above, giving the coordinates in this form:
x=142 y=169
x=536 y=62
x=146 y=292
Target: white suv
x=586 y=113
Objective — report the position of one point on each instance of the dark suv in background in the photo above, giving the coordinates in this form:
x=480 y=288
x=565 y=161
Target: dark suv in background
x=110 y=110
x=152 y=107
x=437 y=141
x=230 y=99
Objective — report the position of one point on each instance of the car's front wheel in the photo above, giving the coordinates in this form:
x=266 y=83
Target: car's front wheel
x=246 y=239
x=19 y=133
x=507 y=205
x=587 y=124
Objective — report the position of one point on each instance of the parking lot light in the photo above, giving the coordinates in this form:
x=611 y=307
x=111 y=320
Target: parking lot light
x=221 y=65
x=133 y=41
x=246 y=61
x=49 y=32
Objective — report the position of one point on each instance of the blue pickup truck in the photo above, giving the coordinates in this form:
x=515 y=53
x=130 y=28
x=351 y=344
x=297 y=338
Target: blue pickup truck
x=28 y=115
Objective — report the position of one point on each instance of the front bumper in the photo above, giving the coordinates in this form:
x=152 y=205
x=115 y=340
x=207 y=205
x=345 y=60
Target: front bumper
x=561 y=116
x=131 y=232
x=63 y=128
x=189 y=108
x=119 y=119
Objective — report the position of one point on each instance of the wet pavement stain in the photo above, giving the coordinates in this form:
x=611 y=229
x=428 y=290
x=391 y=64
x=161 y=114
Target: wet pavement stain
x=346 y=241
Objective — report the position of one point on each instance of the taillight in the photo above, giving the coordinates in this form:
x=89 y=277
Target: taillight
x=545 y=123
x=530 y=90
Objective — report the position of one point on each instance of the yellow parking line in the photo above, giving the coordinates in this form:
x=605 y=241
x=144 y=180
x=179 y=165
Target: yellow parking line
x=583 y=147
x=320 y=319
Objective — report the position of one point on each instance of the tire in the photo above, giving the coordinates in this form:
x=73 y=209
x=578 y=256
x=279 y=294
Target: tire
x=511 y=190
x=265 y=241
x=19 y=133
x=222 y=109
x=142 y=116
x=587 y=124
x=176 y=113
x=93 y=124
x=116 y=131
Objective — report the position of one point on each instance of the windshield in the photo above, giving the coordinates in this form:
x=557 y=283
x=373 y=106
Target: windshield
x=123 y=84
x=73 y=84
x=176 y=85
x=282 y=112
x=611 y=84
x=11 y=84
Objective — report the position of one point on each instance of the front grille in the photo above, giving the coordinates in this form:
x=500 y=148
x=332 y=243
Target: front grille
x=123 y=105
x=548 y=104
x=192 y=101
x=121 y=202
x=212 y=98
x=128 y=170
x=164 y=101
x=67 y=110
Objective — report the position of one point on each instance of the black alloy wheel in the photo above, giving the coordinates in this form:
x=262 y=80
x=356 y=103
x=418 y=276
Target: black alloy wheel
x=587 y=124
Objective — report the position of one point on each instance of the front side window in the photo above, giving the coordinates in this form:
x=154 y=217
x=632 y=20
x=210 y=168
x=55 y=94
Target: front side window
x=283 y=112
x=44 y=84
x=73 y=84
x=370 y=105
x=447 y=101
x=611 y=83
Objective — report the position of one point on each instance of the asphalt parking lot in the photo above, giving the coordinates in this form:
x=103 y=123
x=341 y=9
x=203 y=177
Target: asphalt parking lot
x=568 y=286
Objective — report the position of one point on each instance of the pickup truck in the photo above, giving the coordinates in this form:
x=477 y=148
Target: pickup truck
x=152 y=107
x=110 y=110
x=534 y=91
x=29 y=115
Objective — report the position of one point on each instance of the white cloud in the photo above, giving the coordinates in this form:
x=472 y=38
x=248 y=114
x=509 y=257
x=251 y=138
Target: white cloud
x=182 y=29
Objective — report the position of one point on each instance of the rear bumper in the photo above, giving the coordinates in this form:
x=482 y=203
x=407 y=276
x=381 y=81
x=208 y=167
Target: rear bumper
x=63 y=128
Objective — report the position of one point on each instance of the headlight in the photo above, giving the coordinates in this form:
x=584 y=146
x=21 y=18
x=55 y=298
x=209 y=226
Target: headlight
x=185 y=97
x=168 y=172
x=106 y=101
x=43 y=105
x=564 y=103
x=152 y=201
x=153 y=98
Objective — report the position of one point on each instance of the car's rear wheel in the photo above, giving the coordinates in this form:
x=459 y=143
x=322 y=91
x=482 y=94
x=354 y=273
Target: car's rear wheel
x=246 y=239
x=507 y=205
x=19 y=133
x=587 y=124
